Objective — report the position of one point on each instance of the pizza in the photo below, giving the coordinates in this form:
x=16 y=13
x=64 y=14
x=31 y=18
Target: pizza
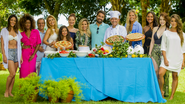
x=61 y=44
x=114 y=38
x=135 y=36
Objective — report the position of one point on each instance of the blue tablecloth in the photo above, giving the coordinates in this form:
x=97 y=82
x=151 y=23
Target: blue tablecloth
x=127 y=79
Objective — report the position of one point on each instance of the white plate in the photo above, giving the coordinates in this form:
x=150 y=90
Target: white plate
x=49 y=52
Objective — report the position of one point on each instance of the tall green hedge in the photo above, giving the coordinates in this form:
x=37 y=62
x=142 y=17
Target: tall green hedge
x=183 y=27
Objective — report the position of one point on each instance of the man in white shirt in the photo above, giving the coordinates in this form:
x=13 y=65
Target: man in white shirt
x=40 y=52
x=115 y=29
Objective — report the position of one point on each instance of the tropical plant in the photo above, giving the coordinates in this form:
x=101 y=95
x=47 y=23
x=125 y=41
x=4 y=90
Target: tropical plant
x=28 y=88
x=75 y=87
x=60 y=89
x=50 y=89
x=63 y=88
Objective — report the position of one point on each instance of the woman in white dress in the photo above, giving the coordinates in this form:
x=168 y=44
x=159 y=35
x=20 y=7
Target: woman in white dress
x=173 y=50
x=51 y=33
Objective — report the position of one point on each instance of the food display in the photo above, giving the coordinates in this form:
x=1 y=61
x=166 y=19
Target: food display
x=119 y=50
x=63 y=52
x=135 y=37
x=114 y=38
x=62 y=44
x=102 y=50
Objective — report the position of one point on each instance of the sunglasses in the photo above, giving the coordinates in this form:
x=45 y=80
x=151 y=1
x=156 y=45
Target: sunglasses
x=97 y=30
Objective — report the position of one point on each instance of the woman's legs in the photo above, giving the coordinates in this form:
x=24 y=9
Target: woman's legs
x=13 y=80
x=11 y=68
x=162 y=71
x=174 y=84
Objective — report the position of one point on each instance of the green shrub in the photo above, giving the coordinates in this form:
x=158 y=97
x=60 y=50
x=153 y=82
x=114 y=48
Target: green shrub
x=1 y=58
x=183 y=27
x=28 y=88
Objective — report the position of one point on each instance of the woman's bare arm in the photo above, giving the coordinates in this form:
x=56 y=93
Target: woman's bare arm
x=46 y=37
x=3 y=51
x=152 y=40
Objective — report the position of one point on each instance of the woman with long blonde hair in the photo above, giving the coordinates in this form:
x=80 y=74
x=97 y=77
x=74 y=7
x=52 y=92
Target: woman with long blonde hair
x=51 y=33
x=83 y=36
x=173 y=50
x=133 y=26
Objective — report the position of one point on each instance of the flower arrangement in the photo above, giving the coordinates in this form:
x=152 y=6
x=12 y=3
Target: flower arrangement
x=100 y=51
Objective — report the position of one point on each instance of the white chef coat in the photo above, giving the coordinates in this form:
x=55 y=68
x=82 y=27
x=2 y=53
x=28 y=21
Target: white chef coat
x=118 y=30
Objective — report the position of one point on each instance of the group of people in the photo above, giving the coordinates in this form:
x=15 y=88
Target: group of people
x=164 y=41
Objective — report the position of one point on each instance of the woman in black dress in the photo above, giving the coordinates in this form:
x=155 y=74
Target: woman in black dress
x=151 y=22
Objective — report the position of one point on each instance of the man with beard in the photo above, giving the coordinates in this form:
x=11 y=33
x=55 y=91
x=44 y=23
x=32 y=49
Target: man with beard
x=40 y=52
x=115 y=29
x=98 y=29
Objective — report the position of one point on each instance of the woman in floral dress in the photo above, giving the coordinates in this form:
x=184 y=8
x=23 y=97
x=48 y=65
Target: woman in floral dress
x=83 y=36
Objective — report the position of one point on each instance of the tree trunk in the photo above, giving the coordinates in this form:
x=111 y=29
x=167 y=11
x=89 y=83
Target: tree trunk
x=165 y=6
x=118 y=5
x=144 y=5
x=54 y=9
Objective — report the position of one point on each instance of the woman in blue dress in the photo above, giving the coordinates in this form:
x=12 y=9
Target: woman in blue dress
x=133 y=26
x=71 y=28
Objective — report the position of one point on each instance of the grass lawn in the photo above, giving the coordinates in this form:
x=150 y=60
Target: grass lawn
x=179 y=97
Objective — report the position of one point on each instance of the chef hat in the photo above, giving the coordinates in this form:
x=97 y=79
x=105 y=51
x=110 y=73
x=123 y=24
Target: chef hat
x=114 y=14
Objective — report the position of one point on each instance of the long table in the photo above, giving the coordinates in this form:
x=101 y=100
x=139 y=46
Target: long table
x=126 y=79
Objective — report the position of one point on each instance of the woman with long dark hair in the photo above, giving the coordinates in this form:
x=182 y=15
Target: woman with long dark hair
x=151 y=22
x=11 y=50
x=155 y=47
x=64 y=35
x=173 y=50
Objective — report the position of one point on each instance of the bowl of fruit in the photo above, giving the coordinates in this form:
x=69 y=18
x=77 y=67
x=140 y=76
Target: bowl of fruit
x=63 y=53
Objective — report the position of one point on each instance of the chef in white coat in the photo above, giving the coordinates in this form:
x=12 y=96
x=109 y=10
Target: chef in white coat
x=115 y=29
